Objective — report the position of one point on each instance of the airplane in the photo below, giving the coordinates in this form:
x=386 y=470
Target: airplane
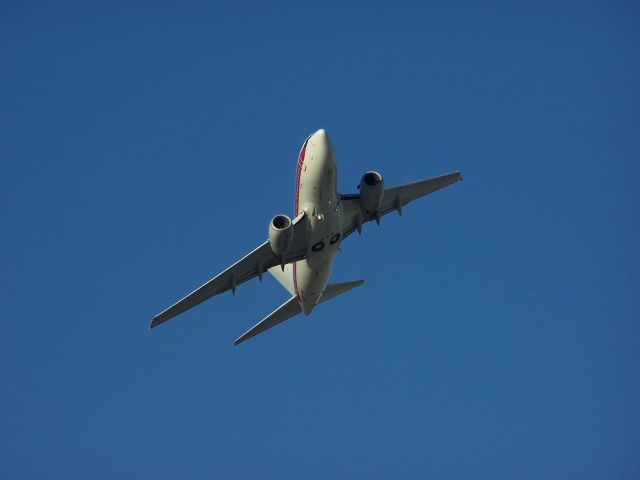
x=299 y=252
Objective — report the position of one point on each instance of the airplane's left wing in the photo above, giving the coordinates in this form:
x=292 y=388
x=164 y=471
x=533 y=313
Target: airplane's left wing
x=252 y=265
x=393 y=199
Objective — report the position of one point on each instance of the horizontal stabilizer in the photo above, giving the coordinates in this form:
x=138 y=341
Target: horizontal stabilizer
x=292 y=307
x=284 y=312
x=335 y=289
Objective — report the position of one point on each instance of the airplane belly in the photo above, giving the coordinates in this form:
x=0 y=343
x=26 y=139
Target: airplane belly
x=317 y=195
x=311 y=282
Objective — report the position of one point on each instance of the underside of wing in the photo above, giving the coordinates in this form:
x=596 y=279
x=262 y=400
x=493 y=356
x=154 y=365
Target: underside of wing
x=284 y=276
x=393 y=199
x=252 y=265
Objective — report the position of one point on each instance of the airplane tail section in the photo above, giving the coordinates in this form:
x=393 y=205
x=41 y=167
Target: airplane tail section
x=292 y=307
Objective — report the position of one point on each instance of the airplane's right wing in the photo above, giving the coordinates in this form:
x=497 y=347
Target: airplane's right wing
x=393 y=199
x=252 y=265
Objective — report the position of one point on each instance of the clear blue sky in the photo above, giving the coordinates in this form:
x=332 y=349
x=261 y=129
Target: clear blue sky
x=144 y=147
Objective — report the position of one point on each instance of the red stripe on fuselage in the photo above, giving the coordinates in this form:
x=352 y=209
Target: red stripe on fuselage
x=298 y=172
x=296 y=206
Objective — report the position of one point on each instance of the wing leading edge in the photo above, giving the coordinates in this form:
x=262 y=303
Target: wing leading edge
x=254 y=264
x=393 y=199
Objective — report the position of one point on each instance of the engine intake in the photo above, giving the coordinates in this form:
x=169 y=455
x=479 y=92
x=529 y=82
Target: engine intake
x=280 y=234
x=371 y=191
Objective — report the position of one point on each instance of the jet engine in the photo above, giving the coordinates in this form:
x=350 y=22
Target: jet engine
x=371 y=191
x=280 y=234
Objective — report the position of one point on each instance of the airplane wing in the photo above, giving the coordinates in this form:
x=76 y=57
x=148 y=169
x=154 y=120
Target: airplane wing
x=252 y=265
x=393 y=199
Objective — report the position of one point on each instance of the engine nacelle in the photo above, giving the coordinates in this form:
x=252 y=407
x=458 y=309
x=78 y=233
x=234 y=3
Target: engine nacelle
x=280 y=234
x=371 y=191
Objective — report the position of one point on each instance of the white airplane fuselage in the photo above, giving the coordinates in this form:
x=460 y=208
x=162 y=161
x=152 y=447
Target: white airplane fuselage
x=317 y=195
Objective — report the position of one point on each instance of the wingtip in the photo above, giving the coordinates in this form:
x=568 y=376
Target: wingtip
x=240 y=339
x=154 y=323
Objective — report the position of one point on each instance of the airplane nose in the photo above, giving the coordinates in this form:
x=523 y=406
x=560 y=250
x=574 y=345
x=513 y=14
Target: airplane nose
x=321 y=136
x=320 y=139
